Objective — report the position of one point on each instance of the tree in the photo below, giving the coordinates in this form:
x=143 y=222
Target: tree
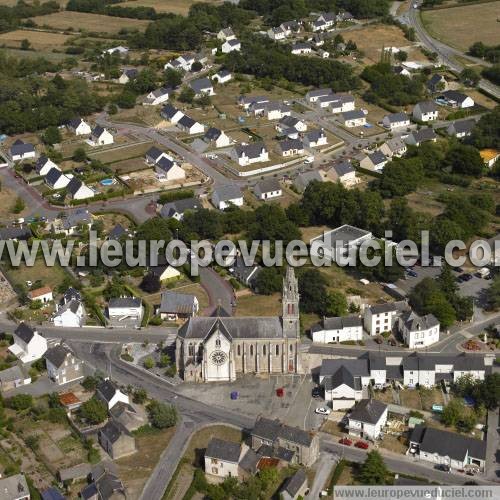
x=162 y=415
x=312 y=289
x=493 y=294
x=19 y=206
x=187 y=95
x=20 y=402
x=151 y=283
x=140 y=396
x=173 y=78
x=52 y=136
x=470 y=77
x=401 y=56
x=149 y=363
x=427 y=298
x=401 y=176
x=196 y=66
x=268 y=281
x=373 y=470
x=164 y=361
x=79 y=155
x=93 y=411
x=90 y=383
x=465 y=159
x=336 y=304
x=490 y=391
x=25 y=44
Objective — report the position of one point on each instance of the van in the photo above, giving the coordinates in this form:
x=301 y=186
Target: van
x=309 y=159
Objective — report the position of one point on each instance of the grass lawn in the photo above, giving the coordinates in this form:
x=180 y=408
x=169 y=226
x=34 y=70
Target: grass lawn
x=7 y=201
x=463 y=25
x=122 y=153
x=411 y=399
x=264 y=305
x=39 y=40
x=176 y=6
x=430 y=397
x=384 y=396
x=49 y=276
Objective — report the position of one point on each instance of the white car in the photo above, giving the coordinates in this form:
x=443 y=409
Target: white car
x=323 y=411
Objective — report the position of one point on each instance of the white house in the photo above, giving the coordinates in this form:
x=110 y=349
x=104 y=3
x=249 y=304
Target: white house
x=267 y=189
x=62 y=365
x=109 y=393
x=328 y=18
x=153 y=155
x=226 y=34
x=355 y=118
x=20 y=151
x=222 y=458
x=340 y=103
x=462 y=128
x=291 y=123
x=290 y=147
x=246 y=154
x=344 y=173
x=417 y=137
x=28 y=344
x=100 y=137
x=182 y=63
x=301 y=48
x=55 y=179
x=168 y=170
x=202 y=86
x=276 y=33
x=325 y=101
x=120 y=50
x=275 y=110
x=374 y=161
x=246 y=102
x=175 y=306
x=79 y=127
x=217 y=138
x=128 y=75
x=335 y=330
x=457 y=99
x=43 y=165
x=367 y=419
x=190 y=126
x=158 y=96
x=393 y=147
x=231 y=46
x=382 y=317
x=393 y=121
x=177 y=208
x=222 y=76
x=315 y=138
x=313 y=95
x=43 y=294
x=425 y=111
x=70 y=314
x=125 y=308
x=418 y=331
x=171 y=114
x=78 y=190
x=227 y=195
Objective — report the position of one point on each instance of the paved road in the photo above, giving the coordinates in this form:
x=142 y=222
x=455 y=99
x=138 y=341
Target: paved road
x=446 y=53
x=326 y=463
x=219 y=291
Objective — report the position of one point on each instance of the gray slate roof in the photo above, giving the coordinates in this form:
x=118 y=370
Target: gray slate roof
x=343 y=168
x=415 y=322
x=53 y=176
x=15 y=233
x=179 y=303
x=201 y=85
x=14 y=487
x=228 y=192
x=107 y=389
x=12 y=374
x=169 y=111
x=338 y=323
x=273 y=429
x=377 y=157
x=368 y=411
x=154 y=153
x=397 y=117
x=25 y=332
x=179 y=206
x=252 y=150
x=267 y=185
x=125 y=302
x=353 y=115
x=223 y=450
x=424 y=134
x=19 y=148
x=187 y=122
x=212 y=134
x=112 y=431
x=57 y=355
x=427 y=106
x=288 y=144
x=294 y=483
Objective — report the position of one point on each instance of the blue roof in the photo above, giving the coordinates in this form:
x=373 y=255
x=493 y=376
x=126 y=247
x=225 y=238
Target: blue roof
x=52 y=494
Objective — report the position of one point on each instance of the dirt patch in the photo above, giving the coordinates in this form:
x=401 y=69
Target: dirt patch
x=176 y=6
x=39 y=40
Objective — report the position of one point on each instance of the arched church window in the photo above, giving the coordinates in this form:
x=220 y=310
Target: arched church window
x=264 y=350
x=239 y=350
x=217 y=342
x=291 y=347
x=191 y=350
x=251 y=350
x=277 y=350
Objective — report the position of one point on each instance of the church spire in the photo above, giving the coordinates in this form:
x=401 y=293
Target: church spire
x=290 y=318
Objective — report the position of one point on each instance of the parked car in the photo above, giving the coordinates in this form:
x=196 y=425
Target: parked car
x=378 y=339
x=346 y=441
x=443 y=467
x=458 y=269
x=316 y=392
x=361 y=444
x=323 y=410
x=411 y=273
x=467 y=276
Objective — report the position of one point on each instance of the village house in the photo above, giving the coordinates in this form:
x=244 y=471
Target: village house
x=417 y=137
x=14 y=488
x=171 y=114
x=374 y=161
x=222 y=458
x=456 y=99
x=312 y=96
x=367 y=419
x=489 y=156
x=393 y=147
x=227 y=195
x=326 y=101
x=43 y=165
x=335 y=330
x=181 y=63
x=62 y=365
x=129 y=416
x=243 y=273
x=116 y=441
x=301 y=48
x=55 y=179
x=442 y=447
x=290 y=147
x=165 y=273
x=222 y=76
x=304 y=179
x=178 y=208
x=15 y=376
x=291 y=27
x=393 y=121
x=425 y=111
x=125 y=308
x=28 y=344
x=190 y=126
x=128 y=74
x=175 y=306
x=158 y=96
x=226 y=34
x=246 y=102
x=289 y=122
x=437 y=83
x=341 y=103
x=217 y=138
x=153 y=155
x=315 y=138
x=355 y=118
x=231 y=46
x=20 y=151
x=328 y=18
x=72 y=222
x=344 y=173
x=100 y=137
x=276 y=110
x=380 y=318
x=304 y=444
x=295 y=486
x=79 y=127
x=418 y=331
x=15 y=233
x=43 y=294
x=70 y=314
x=246 y=154
x=77 y=190
x=268 y=189
x=461 y=129
x=105 y=484
x=276 y=33
x=109 y=393
x=201 y=87
x=169 y=171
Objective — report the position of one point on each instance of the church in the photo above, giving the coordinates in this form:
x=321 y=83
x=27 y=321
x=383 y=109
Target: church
x=219 y=348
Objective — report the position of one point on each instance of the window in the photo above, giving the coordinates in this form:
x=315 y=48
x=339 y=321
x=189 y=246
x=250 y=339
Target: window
x=264 y=350
x=291 y=348
x=277 y=350
x=217 y=343
x=239 y=350
x=191 y=350
x=251 y=350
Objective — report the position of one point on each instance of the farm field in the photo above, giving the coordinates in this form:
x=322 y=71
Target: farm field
x=461 y=26
x=176 y=6
x=67 y=20
x=39 y=40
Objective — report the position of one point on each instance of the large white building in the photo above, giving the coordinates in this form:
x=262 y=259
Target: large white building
x=246 y=154
x=334 y=330
x=418 y=331
x=380 y=318
x=28 y=344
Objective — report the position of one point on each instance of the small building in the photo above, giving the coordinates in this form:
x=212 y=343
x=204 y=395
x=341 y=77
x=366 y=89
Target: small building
x=20 y=151
x=295 y=486
x=14 y=488
x=442 y=447
x=171 y=114
x=169 y=171
x=158 y=96
x=344 y=173
x=43 y=165
x=381 y=318
x=125 y=308
x=190 y=126
x=222 y=76
x=128 y=74
x=116 y=441
x=175 y=306
x=418 y=331
x=28 y=344
x=109 y=393
x=367 y=419
x=222 y=458
x=55 y=179
x=202 y=86
x=233 y=45
x=304 y=179
x=43 y=294
x=355 y=118
x=393 y=147
x=62 y=365
x=247 y=154
x=489 y=156
x=335 y=330
x=290 y=122
x=165 y=273
x=15 y=376
x=394 y=121
x=217 y=138
x=425 y=111
x=246 y=102
x=417 y=137
x=342 y=103
x=77 y=190
x=315 y=138
x=72 y=222
x=105 y=484
x=290 y=147
x=313 y=95
x=129 y=416
x=178 y=208
x=79 y=126
x=226 y=34
x=100 y=137
x=120 y=50
x=456 y=99
x=374 y=161
x=268 y=189
x=276 y=33
x=301 y=48
x=227 y=195
x=436 y=83
x=70 y=314
x=153 y=155
x=461 y=129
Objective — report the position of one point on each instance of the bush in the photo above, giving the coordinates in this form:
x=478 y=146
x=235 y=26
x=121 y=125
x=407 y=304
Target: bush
x=149 y=363
x=93 y=411
x=127 y=357
x=20 y=402
x=162 y=415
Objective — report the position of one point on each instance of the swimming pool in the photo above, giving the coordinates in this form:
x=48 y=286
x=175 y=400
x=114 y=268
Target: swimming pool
x=107 y=182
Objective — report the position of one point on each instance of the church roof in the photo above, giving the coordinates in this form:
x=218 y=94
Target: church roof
x=240 y=328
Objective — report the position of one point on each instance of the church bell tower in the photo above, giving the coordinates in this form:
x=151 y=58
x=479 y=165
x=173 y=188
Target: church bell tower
x=291 y=317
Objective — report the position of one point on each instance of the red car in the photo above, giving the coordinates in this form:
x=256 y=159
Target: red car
x=345 y=441
x=361 y=444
